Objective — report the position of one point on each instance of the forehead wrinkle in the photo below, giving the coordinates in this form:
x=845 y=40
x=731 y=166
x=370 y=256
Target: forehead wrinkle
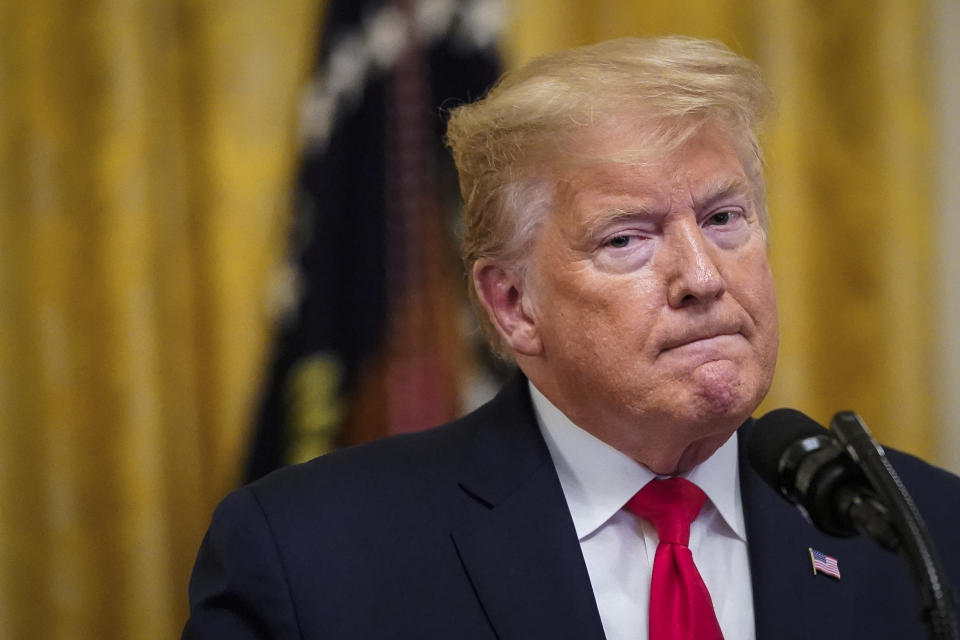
x=605 y=182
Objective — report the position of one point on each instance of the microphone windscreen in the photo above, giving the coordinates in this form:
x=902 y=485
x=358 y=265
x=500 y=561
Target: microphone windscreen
x=772 y=435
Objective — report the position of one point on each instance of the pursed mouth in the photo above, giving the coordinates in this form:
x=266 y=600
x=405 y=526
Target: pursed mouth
x=704 y=339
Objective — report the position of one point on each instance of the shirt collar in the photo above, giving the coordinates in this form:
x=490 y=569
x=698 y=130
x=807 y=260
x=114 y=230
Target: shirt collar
x=597 y=479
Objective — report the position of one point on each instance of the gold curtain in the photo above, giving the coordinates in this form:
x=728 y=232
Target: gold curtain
x=146 y=152
x=848 y=194
x=146 y=149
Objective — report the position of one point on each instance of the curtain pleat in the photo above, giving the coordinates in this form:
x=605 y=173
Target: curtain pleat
x=145 y=166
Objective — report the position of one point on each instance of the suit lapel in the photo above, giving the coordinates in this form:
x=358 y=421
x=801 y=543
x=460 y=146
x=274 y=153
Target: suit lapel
x=517 y=541
x=789 y=600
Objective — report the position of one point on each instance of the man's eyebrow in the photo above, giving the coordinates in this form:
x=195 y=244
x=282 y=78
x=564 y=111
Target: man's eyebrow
x=606 y=217
x=722 y=188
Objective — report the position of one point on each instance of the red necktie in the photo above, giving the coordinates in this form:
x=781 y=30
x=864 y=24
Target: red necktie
x=680 y=605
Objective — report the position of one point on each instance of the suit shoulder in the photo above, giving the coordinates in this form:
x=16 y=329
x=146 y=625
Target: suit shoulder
x=409 y=462
x=935 y=490
x=921 y=470
x=381 y=467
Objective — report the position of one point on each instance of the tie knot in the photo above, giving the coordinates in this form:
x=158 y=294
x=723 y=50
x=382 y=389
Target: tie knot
x=670 y=505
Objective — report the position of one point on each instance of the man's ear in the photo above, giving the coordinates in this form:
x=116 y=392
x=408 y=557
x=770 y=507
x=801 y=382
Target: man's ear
x=502 y=294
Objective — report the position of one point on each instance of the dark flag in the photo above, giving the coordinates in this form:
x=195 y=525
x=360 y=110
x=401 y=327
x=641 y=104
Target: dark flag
x=375 y=342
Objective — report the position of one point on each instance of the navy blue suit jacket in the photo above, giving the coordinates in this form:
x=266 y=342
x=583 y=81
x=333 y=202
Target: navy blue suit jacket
x=463 y=532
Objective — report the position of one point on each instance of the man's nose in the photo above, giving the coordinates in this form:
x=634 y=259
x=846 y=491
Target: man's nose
x=693 y=276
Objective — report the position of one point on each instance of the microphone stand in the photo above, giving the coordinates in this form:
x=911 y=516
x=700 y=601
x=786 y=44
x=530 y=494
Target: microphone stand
x=936 y=599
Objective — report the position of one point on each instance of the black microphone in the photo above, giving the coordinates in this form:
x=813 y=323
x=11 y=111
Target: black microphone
x=844 y=483
x=808 y=466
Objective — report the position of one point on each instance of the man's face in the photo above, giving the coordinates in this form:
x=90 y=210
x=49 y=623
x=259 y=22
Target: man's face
x=653 y=300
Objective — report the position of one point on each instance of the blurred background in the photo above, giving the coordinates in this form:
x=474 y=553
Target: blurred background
x=227 y=237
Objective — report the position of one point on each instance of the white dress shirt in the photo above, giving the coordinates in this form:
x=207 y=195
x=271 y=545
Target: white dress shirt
x=619 y=548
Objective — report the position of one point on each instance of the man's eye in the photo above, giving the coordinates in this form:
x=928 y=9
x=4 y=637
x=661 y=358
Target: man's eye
x=721 y=218
x=619 y=242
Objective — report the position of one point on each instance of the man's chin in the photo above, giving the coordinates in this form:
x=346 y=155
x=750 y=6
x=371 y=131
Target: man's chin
x=719 y=389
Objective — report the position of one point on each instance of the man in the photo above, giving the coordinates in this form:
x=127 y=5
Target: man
x=616 y=238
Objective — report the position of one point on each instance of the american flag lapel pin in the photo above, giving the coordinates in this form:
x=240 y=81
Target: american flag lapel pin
x=822 y=563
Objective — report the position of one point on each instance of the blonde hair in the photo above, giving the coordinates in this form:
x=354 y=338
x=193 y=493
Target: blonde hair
x=506 y=145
